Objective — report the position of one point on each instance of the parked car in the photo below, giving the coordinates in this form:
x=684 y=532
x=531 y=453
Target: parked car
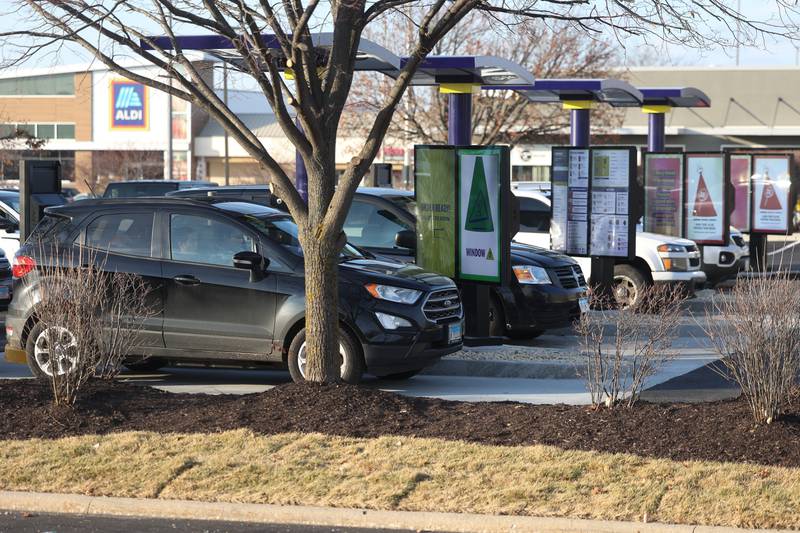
x=9 y=221
x=229 y=280
x=659 y=258
x=5 y=280
x=259 y=194
x=546 y=292
x=139 y=188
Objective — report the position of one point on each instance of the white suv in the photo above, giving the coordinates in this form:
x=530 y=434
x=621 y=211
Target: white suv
x=659 y=258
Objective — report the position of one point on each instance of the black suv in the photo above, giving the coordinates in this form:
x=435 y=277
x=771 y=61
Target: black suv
x=229 y=279
x=547 y=291
x=141 y=188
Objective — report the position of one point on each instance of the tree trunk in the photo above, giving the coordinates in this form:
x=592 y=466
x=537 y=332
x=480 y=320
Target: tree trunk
x=322 y=309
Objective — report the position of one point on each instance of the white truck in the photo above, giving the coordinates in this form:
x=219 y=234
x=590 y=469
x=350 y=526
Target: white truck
x=659 y=258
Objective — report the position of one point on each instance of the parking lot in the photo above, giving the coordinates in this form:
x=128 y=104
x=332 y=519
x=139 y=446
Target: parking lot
x=543 y=371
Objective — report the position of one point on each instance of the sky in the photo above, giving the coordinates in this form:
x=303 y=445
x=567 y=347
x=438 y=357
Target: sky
x=770 y=52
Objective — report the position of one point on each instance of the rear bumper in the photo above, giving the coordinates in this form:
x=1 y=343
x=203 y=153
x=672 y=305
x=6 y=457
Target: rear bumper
x=15 y=355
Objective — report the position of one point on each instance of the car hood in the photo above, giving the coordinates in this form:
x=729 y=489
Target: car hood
x=525 y=254
x=392 y=273
x=657 y=238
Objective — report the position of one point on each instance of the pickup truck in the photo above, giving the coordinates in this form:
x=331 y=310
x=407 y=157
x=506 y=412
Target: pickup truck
x=659 y=258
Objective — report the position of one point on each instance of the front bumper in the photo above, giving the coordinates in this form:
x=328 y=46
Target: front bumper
x=697 y=277
x=392 y=352
x=540 y=307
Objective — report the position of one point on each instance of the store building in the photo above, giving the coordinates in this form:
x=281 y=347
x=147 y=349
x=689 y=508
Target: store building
x=100 y=125
x=103 y=127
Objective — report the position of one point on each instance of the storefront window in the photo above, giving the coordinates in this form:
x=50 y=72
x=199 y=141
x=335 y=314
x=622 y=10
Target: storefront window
x=53 y=85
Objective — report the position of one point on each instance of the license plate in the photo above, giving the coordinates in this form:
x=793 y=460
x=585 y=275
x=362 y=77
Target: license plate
x=454 y=333
x=4 y=293
x=583 y=303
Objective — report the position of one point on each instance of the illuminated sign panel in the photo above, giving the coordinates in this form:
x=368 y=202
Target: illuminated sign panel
x=128 y=105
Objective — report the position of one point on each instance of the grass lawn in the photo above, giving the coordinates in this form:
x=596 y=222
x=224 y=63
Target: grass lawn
x=404 y=473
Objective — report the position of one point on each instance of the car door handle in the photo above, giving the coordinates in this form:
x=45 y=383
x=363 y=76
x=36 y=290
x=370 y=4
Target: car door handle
x=189 y=281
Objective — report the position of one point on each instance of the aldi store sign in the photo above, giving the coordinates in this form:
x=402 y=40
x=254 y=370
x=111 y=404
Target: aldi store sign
x=128 y=105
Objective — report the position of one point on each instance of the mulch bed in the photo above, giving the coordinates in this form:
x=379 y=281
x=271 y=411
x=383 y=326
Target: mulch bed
x=720 y=431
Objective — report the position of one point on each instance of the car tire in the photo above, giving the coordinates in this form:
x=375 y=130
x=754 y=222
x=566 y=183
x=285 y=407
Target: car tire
x=497 y=318
x=629 y=284
x=34 y=346
x=401 y=376
x=352 y=368
x=149 y=364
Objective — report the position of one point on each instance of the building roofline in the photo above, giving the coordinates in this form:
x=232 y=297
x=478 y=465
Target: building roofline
x=92 y=66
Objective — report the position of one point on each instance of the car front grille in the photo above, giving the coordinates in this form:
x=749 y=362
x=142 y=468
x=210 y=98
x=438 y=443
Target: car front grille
x=694 y=256
x=570 y=277
x=738 y=240
x=443 y=305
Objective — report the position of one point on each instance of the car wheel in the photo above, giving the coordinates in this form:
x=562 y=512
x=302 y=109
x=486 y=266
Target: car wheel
x=51 y=351
x=629 y=285
x=148 y=364
x=400 y=376
x=352 y=362
x=497 y=319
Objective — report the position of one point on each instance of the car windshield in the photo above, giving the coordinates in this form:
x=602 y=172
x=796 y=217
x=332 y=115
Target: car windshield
x=283 y=231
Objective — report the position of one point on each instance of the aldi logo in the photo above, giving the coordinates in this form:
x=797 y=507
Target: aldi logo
x=128 y=105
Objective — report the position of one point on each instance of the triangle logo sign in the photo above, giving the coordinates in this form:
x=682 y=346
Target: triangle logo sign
x=703 y=206
x=769 y=198
x=479 y=210
x=490 y=255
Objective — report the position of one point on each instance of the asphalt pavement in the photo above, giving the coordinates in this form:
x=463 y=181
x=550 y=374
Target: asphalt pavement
x=16 y=522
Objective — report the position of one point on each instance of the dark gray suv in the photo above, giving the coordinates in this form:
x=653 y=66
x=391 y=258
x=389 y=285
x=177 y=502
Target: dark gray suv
x=229 y=280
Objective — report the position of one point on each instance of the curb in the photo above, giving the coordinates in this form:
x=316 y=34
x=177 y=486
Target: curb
x=503 y=369
x=328 y=516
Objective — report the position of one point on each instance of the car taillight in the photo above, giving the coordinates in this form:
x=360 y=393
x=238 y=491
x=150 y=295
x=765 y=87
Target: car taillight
x=23 y=264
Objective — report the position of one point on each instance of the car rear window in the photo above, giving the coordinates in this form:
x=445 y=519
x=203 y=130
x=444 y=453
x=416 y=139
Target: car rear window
x=122 y=233
x=51 y=227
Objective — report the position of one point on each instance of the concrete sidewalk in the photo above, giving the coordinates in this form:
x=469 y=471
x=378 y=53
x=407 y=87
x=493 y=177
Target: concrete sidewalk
x=327 y=516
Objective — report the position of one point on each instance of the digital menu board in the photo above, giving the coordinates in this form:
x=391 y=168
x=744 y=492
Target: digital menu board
x=705 y=208
x=771 y=194
x=591 y=202
x=610 y=219
x=740 y=172
x=663 y=193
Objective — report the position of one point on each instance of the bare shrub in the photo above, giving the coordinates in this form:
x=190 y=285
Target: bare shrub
x=757 y=334
x=91 y=319
x=623 y=347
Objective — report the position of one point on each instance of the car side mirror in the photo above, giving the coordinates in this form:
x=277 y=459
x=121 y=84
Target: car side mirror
x=406 y=239
x=252 y=261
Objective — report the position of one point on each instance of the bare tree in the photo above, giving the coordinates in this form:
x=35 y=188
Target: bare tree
x=322 y=81
x=756 y=332
x=626 y=346
x=556 y=50
x=88 y=319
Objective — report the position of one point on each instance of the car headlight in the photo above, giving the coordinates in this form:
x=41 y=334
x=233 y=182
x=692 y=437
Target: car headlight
x=392 y=322
x=672 y=248
x=393 y=294
x=531 y=275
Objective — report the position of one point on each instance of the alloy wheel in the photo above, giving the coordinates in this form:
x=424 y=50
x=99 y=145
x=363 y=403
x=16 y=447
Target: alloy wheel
x=56 y=351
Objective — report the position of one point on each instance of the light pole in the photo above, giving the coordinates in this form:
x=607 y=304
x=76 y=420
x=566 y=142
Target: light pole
x=225 y=97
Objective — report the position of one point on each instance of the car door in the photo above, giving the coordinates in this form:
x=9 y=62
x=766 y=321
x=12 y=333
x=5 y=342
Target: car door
x=534 y=222
x=123 y=242
x=373 y=224
x=210 y=306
